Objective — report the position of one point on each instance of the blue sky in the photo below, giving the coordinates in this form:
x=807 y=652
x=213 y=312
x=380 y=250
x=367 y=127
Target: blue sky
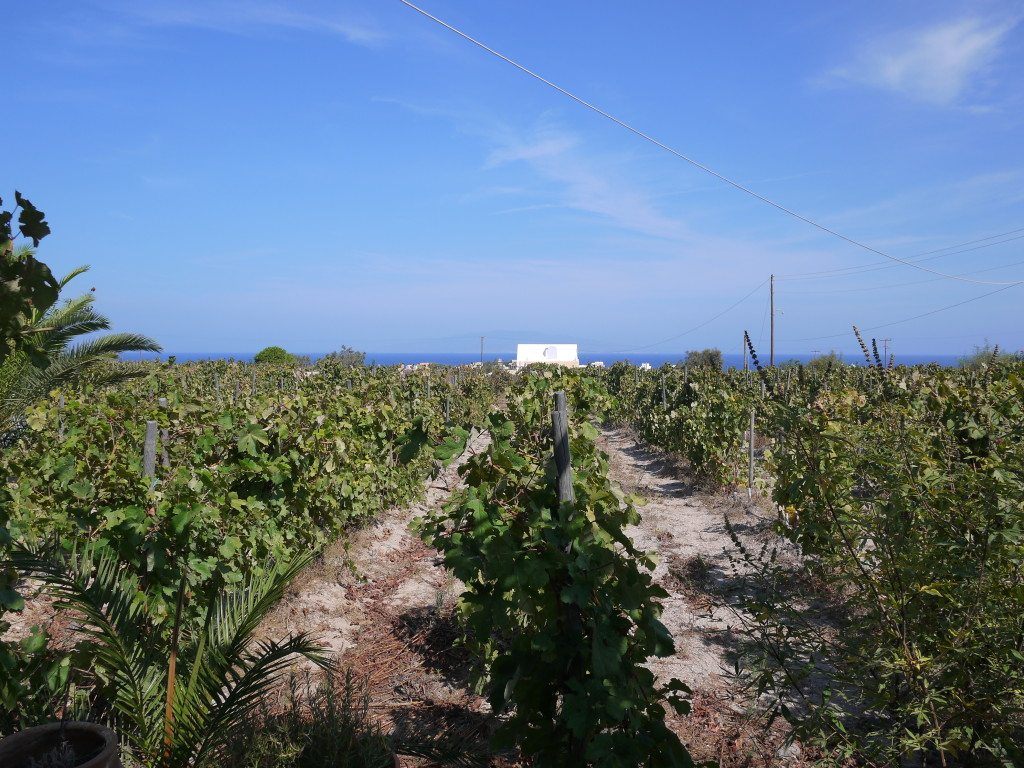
x=315 y=174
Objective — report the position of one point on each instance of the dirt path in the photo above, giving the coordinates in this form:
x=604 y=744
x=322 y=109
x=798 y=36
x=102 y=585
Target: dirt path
x=686 y=528
x=381 y=602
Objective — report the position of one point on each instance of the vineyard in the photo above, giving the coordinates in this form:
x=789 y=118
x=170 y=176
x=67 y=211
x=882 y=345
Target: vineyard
x=879 y=611
x=372 y=392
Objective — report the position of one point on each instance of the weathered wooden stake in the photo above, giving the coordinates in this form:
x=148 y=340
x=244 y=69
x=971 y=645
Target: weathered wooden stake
x=750 y=467
x=447 y=408
x=563 y=457
x=563 y=467
x=149 y=451
x=664 y=395
x=165 y=439
x=60 y=417
x=162 y=402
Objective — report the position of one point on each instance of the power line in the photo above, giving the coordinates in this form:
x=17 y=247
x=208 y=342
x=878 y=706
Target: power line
x=972 y=242
x=915 y=317
x=898 y=285
x=698 y=327
x=691 y=161
x=872 y=266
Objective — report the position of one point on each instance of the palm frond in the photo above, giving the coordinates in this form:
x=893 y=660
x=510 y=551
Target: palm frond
x=112 y=344
x=234 y=689
x=228 y=674
x=60 y=315
x=34 y=382
x=57 y=328
x=453 y=746
x=101 y=592
x=72 y=275
x=239 y=614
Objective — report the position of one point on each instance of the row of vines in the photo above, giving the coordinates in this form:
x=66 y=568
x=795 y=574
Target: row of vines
x=894 y=633
x=255 y=467
x=897 y=631
x=560 y=609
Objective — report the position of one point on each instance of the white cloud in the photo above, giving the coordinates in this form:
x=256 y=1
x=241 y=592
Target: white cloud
x=236 y=17
x=584 y=183
x=941 y=64
x=573 y=176
x=539 y=148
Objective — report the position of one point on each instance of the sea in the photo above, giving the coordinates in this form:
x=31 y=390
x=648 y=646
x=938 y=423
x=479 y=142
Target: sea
x=608 y=358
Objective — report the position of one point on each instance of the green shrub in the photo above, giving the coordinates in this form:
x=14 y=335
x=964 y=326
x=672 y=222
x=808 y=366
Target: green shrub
x=986 y=355
x=345 y=357
x=904 y=494
x=560 y=609
x=274 y=355
x=705 y=358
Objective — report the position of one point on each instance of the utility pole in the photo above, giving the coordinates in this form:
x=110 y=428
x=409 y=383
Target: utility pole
x=885 y=345
x=481 y=350
x=771 y=293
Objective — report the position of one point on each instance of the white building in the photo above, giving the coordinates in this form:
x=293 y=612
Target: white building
x=557 y=354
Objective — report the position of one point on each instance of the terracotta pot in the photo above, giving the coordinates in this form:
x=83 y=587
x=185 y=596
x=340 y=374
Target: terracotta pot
x=92 y=746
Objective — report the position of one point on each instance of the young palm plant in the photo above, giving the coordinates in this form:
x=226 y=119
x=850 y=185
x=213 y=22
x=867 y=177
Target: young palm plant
x=175 y=698
x=50 y=357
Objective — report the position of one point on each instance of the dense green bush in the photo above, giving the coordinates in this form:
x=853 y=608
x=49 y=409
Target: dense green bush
x=904 y=492
x=346 y=356
x=986 y=355
x=699 y=414
x=274 y=355
x=560 y=608
x=704 y=358
x=898 y=632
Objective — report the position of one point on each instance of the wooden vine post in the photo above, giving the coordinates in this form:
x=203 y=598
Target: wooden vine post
x=566 y=495
x=149 y=452
x=165 y=439
x=563 y=458
x=750 y=465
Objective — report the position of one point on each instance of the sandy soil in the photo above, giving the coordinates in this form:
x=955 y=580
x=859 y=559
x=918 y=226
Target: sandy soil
x=382 y=602
x=685 y=527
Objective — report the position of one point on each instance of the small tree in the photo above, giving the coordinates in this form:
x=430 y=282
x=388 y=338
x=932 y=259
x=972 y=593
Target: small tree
x=987 y=355
x=832 y=360
x=346 y=357
x=705 y=358
x=48 y=357
x=27 y=286
x=275 y=355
